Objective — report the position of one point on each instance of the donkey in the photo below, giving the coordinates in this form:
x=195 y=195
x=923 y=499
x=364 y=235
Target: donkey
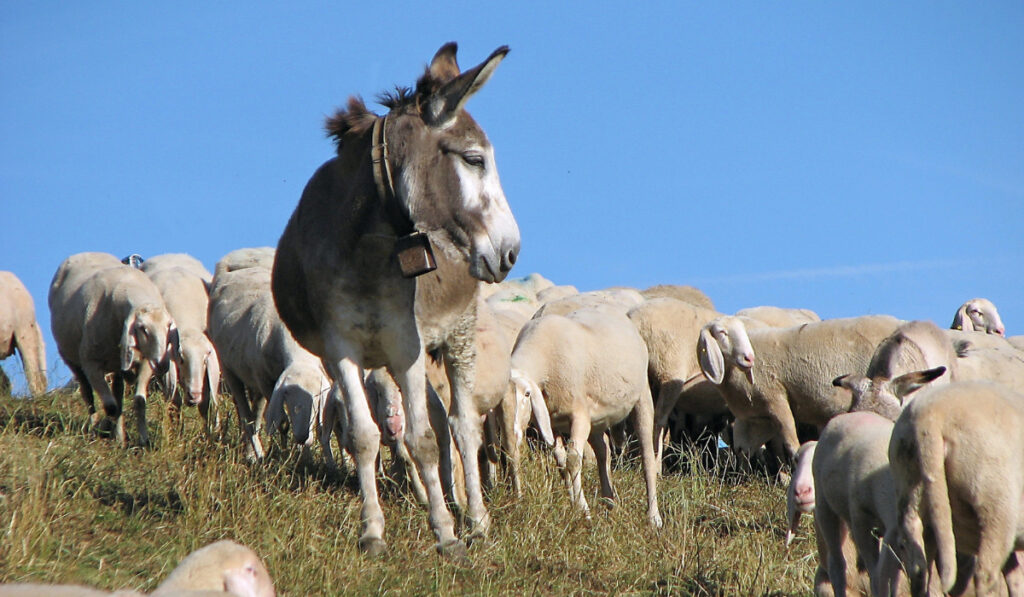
x=423 y=171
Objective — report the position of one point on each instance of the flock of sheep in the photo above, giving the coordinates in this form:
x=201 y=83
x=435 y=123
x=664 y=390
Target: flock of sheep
x=589 y=368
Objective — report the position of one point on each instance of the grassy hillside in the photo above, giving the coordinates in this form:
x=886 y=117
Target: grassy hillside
x=75 y=508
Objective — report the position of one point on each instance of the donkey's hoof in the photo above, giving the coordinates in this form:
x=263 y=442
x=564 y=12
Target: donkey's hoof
x=373 y=547
x=454 y=551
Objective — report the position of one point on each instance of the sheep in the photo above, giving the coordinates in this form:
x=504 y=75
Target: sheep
x=177 y=260
x=253 y=345
x=670 y=329
x=854 y=494
x=914 y=346
x=590 y=369
x=195 y=363
x=619 y=299
x=245 y=258
x=20 y=330
x=301 y=392
x=957 y=458
x=556 y=292
x=688 y=294
x=978 y=315
x=800 y=491
x=987 y=357
x=777 y=317
x=791 y=380
x=221 y=568
x=109 y=318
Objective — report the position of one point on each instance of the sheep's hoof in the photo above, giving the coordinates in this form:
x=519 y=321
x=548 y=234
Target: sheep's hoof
x=373 y=547
x=454 y=551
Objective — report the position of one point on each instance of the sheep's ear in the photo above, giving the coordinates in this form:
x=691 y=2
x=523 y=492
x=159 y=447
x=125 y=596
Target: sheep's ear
x=540 y=413
x=960 y=317
x=173 y=342
x=212 y=376
x=171 y=379
x=909 y=383
x=129 y=346
x=709 y=353
x=841 y=382
x=275 y=410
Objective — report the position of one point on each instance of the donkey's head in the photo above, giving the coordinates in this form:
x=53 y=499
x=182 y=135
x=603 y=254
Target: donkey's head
x=442 y=165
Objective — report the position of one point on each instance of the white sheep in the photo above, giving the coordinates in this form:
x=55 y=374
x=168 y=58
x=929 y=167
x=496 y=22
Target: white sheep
x=246 y=258
x=914 y=346
x=687 y=294
x=778 y=317
x=987 y=357
x=556 y=292
x=670 y=328
x=800 y=491
x=254 y=347
x=177 y=260
x=957 y=456
x=301 y=392
x=194 y=364
x=109 y=318
x=978 y=315
x=221 y=568
x=618 y=299
x=590 y=369
x=773 y=378
x=20 y=330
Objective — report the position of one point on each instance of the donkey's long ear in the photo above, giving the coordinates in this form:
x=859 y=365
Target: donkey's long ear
x=445 y=103
x=443 y=68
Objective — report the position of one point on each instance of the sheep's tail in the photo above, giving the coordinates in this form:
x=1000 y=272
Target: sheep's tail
x=935 y=508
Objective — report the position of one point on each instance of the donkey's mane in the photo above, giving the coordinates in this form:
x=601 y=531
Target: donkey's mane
x=356 y=118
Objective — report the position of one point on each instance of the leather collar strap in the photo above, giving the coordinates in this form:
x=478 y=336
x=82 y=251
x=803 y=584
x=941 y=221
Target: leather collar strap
x=394 y=210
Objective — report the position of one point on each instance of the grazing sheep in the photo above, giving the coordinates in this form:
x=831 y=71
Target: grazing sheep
x=914 y=346
x=110 y=318
x=301 y=393
x=245 y=258
x=177 y=260
x=978 y=315
x=194 y=364
x=222 y=566
x=791 y=380
x=19 y=330
x=957 y=457
x=800 y=491
x=670 y=328
x=556 y=292
x=590 y=369
x=778 y=317
x=854 y=493
x=254 y=347
x=687 y=294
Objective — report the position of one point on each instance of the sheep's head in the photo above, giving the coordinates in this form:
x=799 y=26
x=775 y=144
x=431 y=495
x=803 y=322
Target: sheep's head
x=724 y=344
x=884 y=396
x=979 y=315
x=527 y=392
x=149 y=332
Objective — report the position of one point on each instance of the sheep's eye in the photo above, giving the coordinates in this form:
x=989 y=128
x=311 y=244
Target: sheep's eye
x=526 y=393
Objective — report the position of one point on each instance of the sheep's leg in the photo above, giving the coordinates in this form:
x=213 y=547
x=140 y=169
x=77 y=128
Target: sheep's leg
x=643 y=421
x=998 y=531
x=864 y=540
x=668 y=396
x=578 y=434
x=599 y=441
x=560 y=462
x=889 y=572
x=490 y=453
x=250 y=441
x=111 y=405
x=118 y=391
x=510 y=439
x=1013 y=572
x=328 y=421
x=85 y=389
x=421 y=440
x=833 y=532
x=139 y=401
x=448 y=461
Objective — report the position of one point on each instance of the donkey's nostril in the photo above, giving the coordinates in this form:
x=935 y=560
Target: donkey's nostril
x=511 y=257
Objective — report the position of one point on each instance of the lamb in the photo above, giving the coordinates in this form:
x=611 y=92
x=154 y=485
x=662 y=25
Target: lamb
x=109 y=318
x=301 y=392
x=855 y=494
x=253 y=345
x=670 y=329
x=778 y=317
x=195 y=363
x=978 y=315
x=590 y=368
x=914 y=346
x=957 y=457
x=19 y=330
x=791 y=379
x=800 y=491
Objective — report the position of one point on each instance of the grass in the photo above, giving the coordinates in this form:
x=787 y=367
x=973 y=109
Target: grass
x=76 y=509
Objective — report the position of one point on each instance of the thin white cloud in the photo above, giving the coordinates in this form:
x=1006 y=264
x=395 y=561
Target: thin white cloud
x=838 y=271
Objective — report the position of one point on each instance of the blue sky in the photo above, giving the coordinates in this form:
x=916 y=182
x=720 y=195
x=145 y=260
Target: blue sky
x=849 y=158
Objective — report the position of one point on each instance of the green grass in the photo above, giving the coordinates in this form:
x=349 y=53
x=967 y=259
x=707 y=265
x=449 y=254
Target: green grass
x=77 y=509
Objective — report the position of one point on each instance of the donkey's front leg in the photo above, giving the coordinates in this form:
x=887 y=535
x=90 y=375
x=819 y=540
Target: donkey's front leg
x=422 y=444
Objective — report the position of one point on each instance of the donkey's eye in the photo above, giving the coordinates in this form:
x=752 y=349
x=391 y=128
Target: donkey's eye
x=473 y=159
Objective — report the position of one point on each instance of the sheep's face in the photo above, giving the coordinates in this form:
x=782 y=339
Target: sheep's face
x=193 y=358
x=882 y=396
x=732 y=338
x=984 y=317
